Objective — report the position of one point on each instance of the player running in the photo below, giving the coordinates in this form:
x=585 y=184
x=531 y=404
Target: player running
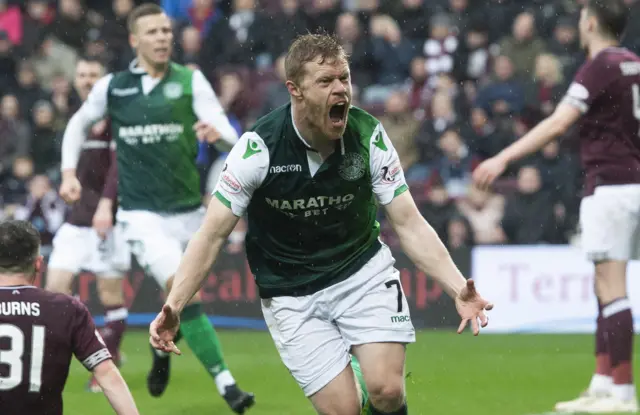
x=76 y=245
x=40 y=331
x=606 y=93
x=310 y=176
x=158 y=111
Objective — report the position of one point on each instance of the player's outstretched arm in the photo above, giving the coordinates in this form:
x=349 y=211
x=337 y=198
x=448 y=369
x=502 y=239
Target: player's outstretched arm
x=423 y=246
x=201 y=253
x=213 y=125
x=551 y=127
x=115 y=388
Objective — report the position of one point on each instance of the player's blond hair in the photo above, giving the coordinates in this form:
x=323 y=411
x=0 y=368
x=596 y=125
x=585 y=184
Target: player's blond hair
x=311 y=47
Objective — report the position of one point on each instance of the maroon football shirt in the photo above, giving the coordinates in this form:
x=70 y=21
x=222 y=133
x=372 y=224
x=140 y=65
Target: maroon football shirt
x=92 y=171
x=607 y=90
x=39 y=332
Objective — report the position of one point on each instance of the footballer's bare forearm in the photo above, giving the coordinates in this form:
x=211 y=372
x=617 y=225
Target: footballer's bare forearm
x=115 y=388
x=547 y=130
x=531 y=142
x=201 y=252
x=423 y=246
x=195 y=266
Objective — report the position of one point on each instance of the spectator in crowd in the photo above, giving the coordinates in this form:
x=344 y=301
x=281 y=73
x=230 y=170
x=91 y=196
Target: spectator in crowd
x=53 y=57
x=236 y=40
x=455 y=165
x=442 y=117
x=15 y=134
x=459 y=234
x=35 y=22
x=28 y=89
x=357 y=45
x=565 y=46
x=414 y=15
x=190 y=45
x=46 y=141
x=277 y=93
x=441 y=47
x=438 y=209
x=473 y=58
x=43 y=208
x=529 y=218
x=7 y=61
x=71 y=24
x=545 y=90
x=523 y=46
x=323 y=15
x=289 y=23
x=391 y=54
x=401 y=127
x=484 y=211
x=114 y=31
x=15 y=185
x=504 y=94
x=11 y=21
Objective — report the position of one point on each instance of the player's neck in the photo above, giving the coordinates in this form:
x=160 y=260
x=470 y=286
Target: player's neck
x=314 y=138
x=151 y=70
x=598 y=45
x=14 y=280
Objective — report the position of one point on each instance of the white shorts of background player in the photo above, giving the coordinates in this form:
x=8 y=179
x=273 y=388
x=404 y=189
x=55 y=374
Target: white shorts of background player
x=77 y=248
x=158 y=240
x=610 y=223
x=314 y=333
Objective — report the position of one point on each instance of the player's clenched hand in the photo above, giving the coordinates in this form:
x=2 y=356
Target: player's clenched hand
x=471 y=307
x=70 y=189
x=206 y=132
x=163 y=330
x=103 y=219
x=488 y=171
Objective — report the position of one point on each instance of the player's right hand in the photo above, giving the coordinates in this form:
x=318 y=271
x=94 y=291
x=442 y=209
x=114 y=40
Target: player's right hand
x=103 y=220
x=488 y=171
x=163 y=330
x=70 y=189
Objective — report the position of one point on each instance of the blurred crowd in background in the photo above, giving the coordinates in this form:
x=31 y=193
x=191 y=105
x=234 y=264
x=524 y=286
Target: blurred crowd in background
x=452 y=81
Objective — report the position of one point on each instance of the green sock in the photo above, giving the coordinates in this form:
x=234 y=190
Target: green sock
x=202 y=339
x=355 y=365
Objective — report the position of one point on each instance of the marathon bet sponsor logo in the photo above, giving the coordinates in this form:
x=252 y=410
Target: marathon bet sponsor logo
x=289 y=168
x=313 y=206
x=400 y=319
x=150 y=133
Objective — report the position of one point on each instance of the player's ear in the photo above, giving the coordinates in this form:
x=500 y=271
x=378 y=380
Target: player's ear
x=133 y=41
x=38 y=265
x=294 y=90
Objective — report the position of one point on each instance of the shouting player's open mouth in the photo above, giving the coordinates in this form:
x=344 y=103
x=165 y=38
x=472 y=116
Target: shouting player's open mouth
x=338 y=114
x=162 y=52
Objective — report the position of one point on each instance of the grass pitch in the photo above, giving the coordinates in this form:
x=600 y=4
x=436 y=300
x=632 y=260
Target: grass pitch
x=449 y=375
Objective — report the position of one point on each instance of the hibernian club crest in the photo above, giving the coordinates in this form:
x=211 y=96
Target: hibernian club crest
x=352 y=167
x=173 y=90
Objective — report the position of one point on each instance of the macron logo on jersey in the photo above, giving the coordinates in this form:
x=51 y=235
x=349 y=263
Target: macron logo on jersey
x=289 y=168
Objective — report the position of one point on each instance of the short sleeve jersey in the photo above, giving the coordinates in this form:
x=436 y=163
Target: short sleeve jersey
x=312 y=223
